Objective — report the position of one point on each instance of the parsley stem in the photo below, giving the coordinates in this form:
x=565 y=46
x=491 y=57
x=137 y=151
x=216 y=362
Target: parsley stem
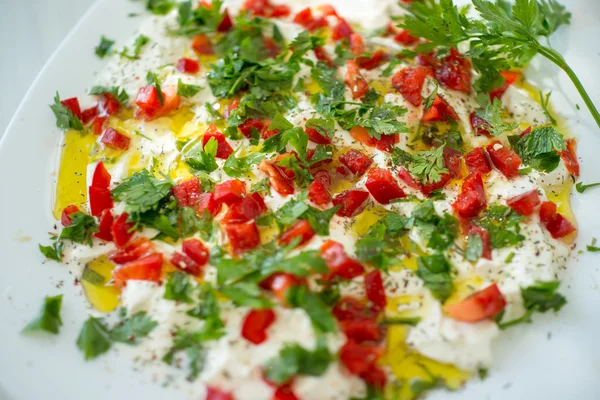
x=559 y=60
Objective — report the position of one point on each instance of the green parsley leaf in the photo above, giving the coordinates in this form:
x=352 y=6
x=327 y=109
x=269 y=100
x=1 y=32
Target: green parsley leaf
x=502 y=223
x=434 y=270
x=104 y=47
x=179 y=288
x=48 y=318
x=325 y=126
x=581 y=187
x=142 y=192
x=428 y=165
x=296 y=360
x=304 y=42
x=545 y=103
x=81 y=229
x=491 y=112
x=140 y=42
x=132 y=329
x=94 y=338
x=383 y=120
x=319 y=220
x=540 y=148
x=262 y=186
x=65 y=119
x=238 y=167
x=54 y=251
x=118 y=93
x=474 y=249
x=201 y=157
x=428 y=101
x=319 y=313
x=159 y=7
x=187 y=90
x=246 y=294
x=199 y=20
x=291 y=211
x=592 y=247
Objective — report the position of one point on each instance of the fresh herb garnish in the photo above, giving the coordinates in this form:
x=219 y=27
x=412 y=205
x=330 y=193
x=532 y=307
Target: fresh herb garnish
x=118 y=93
x=48 y=318
x=65 y=119
x=179 y=288
x=94 y=338
x=240 y=166
x=53 y=251
x=130 y=330
x=187 y=90
x=140 y=42
x=428 y=165
x=201 y=157
x=540 y=148
x=81 y=229
x=435 y=270
x=581 y=187
x=159 y=7
x=152 y=79
x=296 y=360
x=142 y=192
x=491 y=112
x=502 y=223
x=319 y=312
x=103 y=48
x=592 y=247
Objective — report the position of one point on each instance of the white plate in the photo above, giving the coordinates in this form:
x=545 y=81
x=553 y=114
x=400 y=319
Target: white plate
x=555 y=358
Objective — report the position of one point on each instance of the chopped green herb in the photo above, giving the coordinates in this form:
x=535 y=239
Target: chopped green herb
x=201 y=157
x=54 y=251
x=140 y=42
x=48 y=318
x=103 y=49
x=130 y=330
x=179 y=288
x=118 y=93
x=65 y=119
x=142 y=192
x=94 y=338
x=319 y=313
x=81 y=229
x=581 y=187
x=159 y=7
x=187 y=90
x=540 y=148
x=434 y=270
x=491 y=112
x=296 y=360
x=592 y=247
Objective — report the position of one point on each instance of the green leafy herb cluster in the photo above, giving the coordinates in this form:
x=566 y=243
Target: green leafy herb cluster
x=540 y=148
x=296 y=360
x=48 y=319
x=502 y=223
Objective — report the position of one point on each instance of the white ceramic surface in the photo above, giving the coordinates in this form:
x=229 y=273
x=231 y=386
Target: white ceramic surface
x=556 y=358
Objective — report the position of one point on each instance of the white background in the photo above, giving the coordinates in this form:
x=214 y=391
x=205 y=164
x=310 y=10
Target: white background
x=30 y=31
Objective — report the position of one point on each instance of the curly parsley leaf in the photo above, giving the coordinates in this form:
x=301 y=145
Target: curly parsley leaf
x=94 y=338
x=435 y=270
x=142 y=192
x=65 y=119
x=296 y=360
x=240 y=166
x=383 y=120
x=104 y=47
x=130 y=330
x=491 y=112
x=118 y=93
x=187 y=90
x=199 y=20
x=502 y=223
x=381 y=246
x=81 y=229
x=540 y=148
x=305 y=42
x=202 y=157
x=428 y=165
x=48 y=318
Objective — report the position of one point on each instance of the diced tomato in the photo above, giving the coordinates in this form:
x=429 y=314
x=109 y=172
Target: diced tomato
x=559 y=226
x=147 y=99
x=255 y=325
x=111 y=137
x=407 y=178
x=349 y=308
x=247 y=209
x=185 y=264
x=382 y=186
x=280 y=11
x=304 y=17
x=477 y=160
x=323 y=177
x=439 y=111
x=137 y=249
x=122 y=231
x=242 y=237
x=322 y=55
x=341 y=30
x=316 y=137
x=318 y=193
x=247 y=125
x=526 y=203
x=338 y=261
x=108 y=105
x=409 y=82
x=267 y=133
x=230 y=192
x=226 y=23
x=387 y=142
x=72 y=104
x=375 y=376
x=278 y=180
x=405 y=38
x=301 y=230
x=485 y=240
x=428 y=188
x=101 y=178
x=378 y=58
x=454 y=72
x=503 y=158
x=284 y=393
x=65 y=219
x=187 y=193
x=357 y=162
x=100 y=200
x=361 y=330
x=484 y=304
x=264 y=8
x=547 y=211
x=471 y=199
x=148 y=102
x=453 y=161
x=352 y=202
x=206 y=201
x=214 y=393
x=187 y=65
x=147 y=268
x=355 y=81
x=359 y=358
x=224 y=149
x=375 y=290
x=479 y=125
x=510 y=77
x=195 y=249
x=202 y=45
x=105 y=226
x=569 y=157
x=89 y=114
x=98 y=125
x=357 y=44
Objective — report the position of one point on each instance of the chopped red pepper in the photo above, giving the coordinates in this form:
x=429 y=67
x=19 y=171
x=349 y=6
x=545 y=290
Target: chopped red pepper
x=113 y=138
x=484 y=304
x=279 y=283
x=359 y=358
x=454 y=72
x=526 y=203
x=247 y=209
x=100 y=199
x=349 y=308
x=355 y=81
x=322 y=55
x=98 y=125
x=375 y=290
x=137 y=249
x=409 y=82
x=147 y=268
x=378 y=58
x=382 y=186
x=255 y=325
x=301 y=230
x=195 y=249
x=247 y=126
x=453 y=161
x=439 y=111
x=65 y=219
x=569 y=157
x=318 y=193
x=375 y=376
x=202 y=45
x=278 y=180
x=361 y=330
x=72 y=104
x=503 y=158
x=89 y=114
x=122 y=231
x=101 y=178
x=226 y=23
x=547 y=211
x=555 y=223
x=105 y=226
x=214 y=393
x=184 y=263
x=149 y=105
x=471 y=199
x=315 y=136
x=479 y=125
x=187 y=193
x=187 y=65
x=405 y=38
x=242 y=237
x=357 y=44
x=224 y=149
x=230 y=192
x=341 y=30
x=108 y=105
x=284 y=393
x=357 y=162
x=477 y=160
x=510 y=77
x=206 y=201
x=338 y=261
x=352 y=202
